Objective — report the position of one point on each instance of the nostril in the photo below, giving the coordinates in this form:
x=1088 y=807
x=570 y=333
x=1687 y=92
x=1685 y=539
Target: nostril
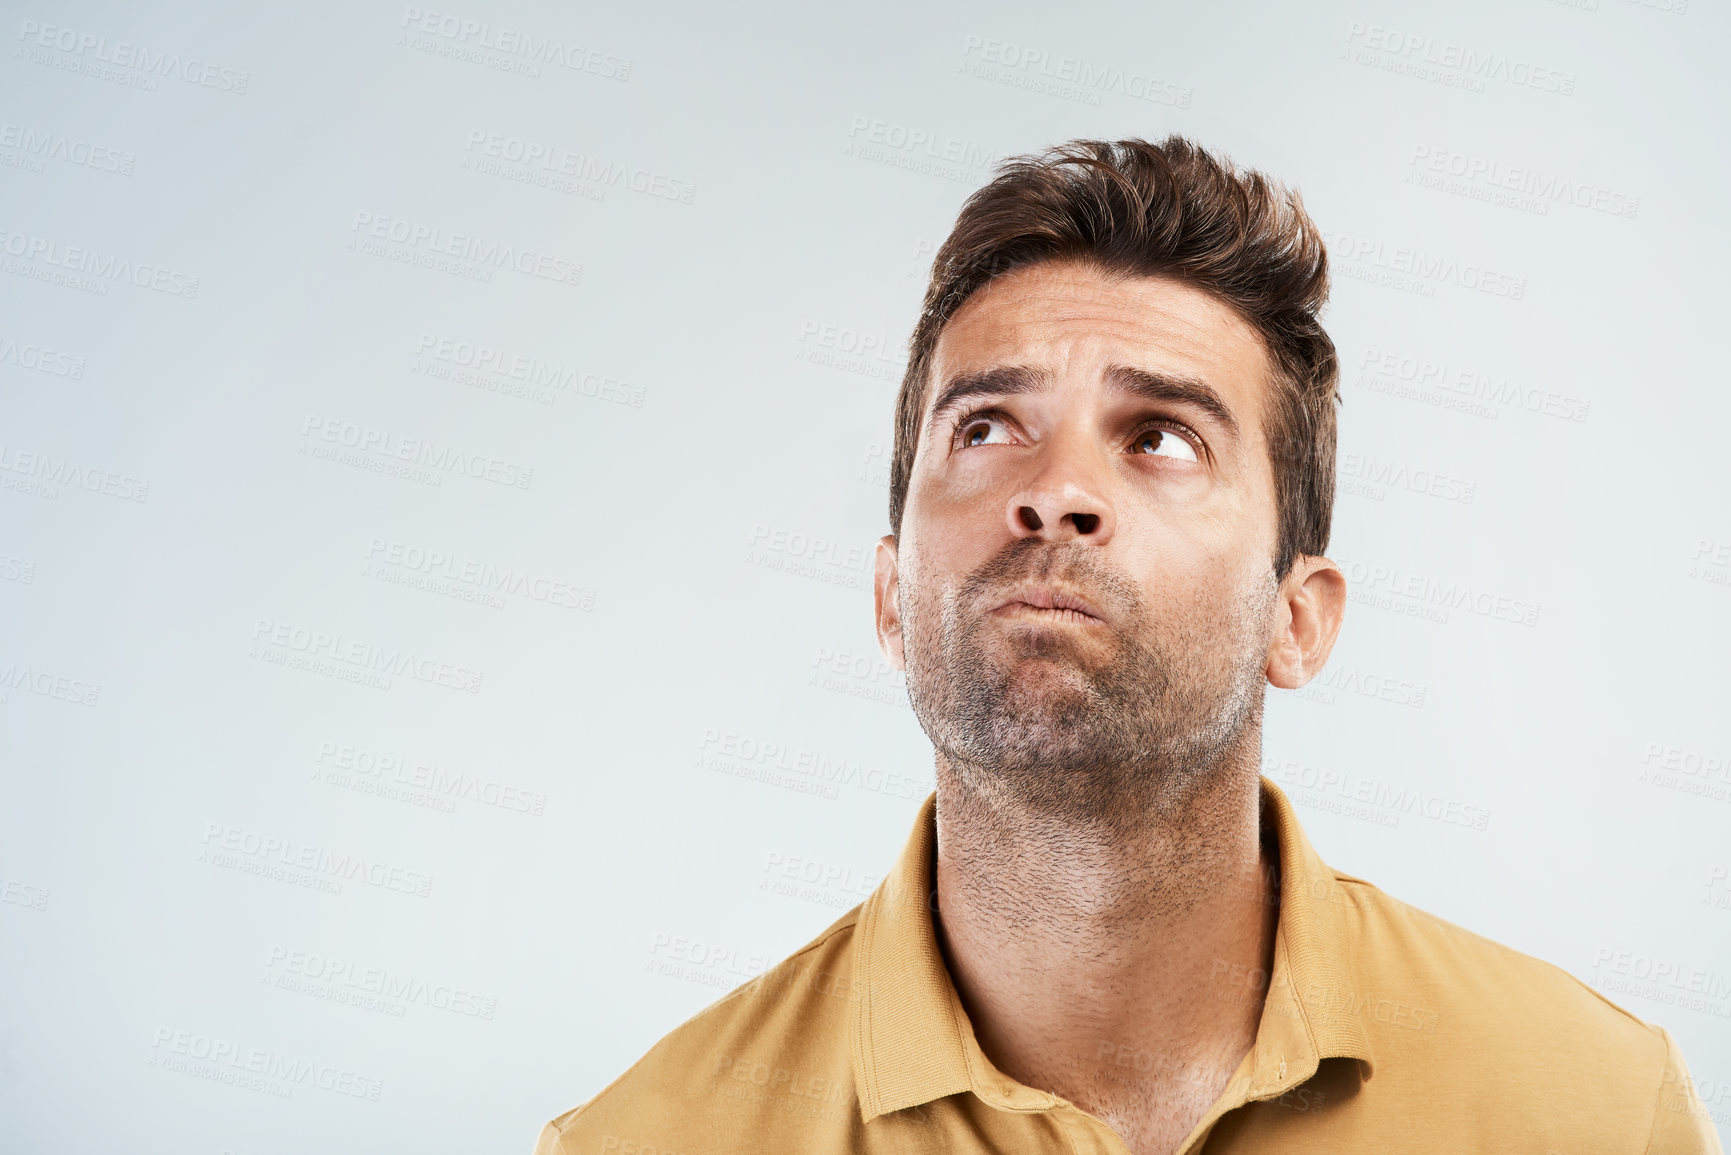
x=1086 y=522
x=1029 y=517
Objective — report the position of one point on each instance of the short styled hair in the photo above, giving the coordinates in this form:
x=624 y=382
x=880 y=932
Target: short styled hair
x=1174 y=210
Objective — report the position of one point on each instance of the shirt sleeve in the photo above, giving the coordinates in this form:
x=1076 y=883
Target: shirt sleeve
x=1681 y=1124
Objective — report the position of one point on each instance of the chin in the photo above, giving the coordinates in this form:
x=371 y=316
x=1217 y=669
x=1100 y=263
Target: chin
x=1047 y=691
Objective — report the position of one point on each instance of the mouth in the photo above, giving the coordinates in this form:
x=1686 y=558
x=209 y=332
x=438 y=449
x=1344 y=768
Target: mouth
x=1050 y=604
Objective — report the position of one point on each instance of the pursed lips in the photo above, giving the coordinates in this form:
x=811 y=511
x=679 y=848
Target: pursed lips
x=1051 y=604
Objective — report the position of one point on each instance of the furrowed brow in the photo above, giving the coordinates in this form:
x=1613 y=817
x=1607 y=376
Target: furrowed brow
x=998 y=381
x=1174 y=389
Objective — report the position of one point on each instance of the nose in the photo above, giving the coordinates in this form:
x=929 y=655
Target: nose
x=1062 y=503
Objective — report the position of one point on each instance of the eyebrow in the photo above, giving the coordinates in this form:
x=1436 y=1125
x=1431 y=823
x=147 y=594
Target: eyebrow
x=1166 y=388
x=1174 y=388
x=998 y=381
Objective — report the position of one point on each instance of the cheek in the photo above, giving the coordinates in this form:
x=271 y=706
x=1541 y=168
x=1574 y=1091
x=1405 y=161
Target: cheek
x=1221 y=538
x=965 y=490
x=1195 y=541
x=934 y=563
x=1199 y=565
x=957 y=517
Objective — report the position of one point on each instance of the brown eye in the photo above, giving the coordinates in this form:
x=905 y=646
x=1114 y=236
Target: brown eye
x=980 y=431
x=1164 y=443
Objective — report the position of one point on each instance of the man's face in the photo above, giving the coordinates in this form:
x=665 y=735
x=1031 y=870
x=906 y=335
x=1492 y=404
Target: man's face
x=1083 y=594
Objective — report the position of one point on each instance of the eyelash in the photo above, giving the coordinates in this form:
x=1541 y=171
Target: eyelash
x=1163 y=423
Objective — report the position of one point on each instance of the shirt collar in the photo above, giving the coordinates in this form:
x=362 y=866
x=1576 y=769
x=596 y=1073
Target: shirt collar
x=912 y=1042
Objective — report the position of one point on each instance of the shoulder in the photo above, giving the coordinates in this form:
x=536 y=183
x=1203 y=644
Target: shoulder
x=1484 y=988
x=771 y=1054
x=1469 y=1018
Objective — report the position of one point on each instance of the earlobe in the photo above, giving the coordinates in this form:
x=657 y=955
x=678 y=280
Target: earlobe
x=1313 y=604
x=886 y=583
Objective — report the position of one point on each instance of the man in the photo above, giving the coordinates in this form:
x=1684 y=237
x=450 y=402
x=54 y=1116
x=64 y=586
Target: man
x=1110 y=497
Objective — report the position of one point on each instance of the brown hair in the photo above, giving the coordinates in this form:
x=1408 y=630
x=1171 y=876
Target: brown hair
x=1169 y=209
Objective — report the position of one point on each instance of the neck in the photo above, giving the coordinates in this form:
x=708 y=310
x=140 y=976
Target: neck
x=1072 y=939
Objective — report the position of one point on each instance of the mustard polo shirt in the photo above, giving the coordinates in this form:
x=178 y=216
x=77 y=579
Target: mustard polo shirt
x=1383 y=1029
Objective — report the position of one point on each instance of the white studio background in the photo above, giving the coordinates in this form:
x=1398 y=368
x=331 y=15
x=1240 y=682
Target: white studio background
x=639 y=302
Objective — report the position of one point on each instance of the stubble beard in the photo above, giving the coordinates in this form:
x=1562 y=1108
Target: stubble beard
x=1037 y=720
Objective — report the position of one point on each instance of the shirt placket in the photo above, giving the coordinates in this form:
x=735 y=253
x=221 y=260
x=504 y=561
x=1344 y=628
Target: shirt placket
x=1086 y=1134
x=1090 y=1135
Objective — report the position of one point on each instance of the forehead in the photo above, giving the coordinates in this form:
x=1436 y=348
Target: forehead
x=1075 y=320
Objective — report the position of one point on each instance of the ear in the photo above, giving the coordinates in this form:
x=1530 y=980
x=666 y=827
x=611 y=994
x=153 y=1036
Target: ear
x=885 y=586
x=1312 y=604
